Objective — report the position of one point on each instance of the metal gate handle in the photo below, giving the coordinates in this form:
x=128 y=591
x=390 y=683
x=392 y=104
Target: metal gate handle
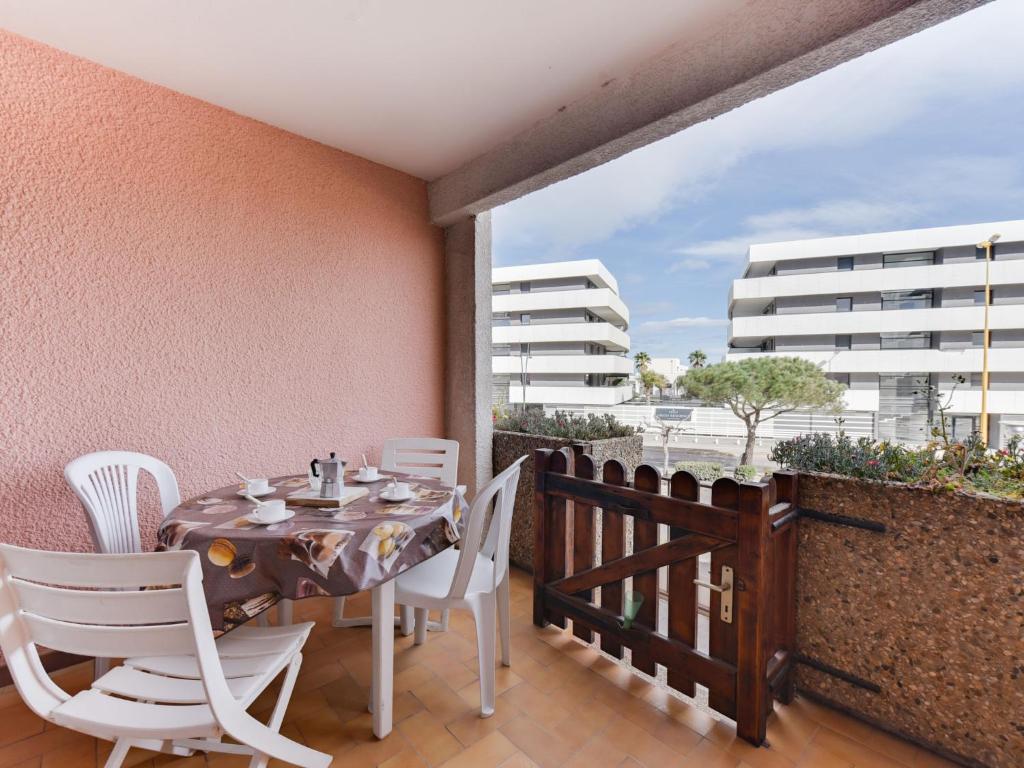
x=725 y=589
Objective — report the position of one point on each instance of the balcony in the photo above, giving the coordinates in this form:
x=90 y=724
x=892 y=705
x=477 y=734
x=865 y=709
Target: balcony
x=581 y=364
x=1001 y=317
x=761 y=289
x=603 y=302
x=1002 y=360
x=605 y=334
x=563 y=703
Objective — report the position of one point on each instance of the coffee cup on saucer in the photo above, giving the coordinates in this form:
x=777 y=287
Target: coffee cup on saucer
x=400 y=490
x=368 y=474
x=257 y=485
x=272 y=511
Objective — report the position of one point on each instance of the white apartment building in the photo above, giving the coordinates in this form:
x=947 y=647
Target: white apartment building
x=669 y=367
x=559 y=335
x=890 y=313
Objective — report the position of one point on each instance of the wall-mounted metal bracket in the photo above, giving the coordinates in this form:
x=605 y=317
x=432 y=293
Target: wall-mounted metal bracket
x=725 y=590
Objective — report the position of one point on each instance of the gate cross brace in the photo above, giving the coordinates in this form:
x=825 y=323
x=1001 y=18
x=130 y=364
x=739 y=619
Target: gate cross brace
x=651 y=559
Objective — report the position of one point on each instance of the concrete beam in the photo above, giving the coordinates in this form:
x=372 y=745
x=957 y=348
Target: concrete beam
x=468 y=347
x=768 y=45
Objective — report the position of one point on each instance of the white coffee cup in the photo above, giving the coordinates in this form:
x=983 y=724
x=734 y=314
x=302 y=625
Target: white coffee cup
x=400 y=490
x=368 y=473
x=270 y=511
x=257 y=485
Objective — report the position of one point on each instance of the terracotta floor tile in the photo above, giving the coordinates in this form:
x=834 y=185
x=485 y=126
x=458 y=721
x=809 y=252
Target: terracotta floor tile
x=440 y=700
x=597 y=753
x=545 y=747
x=407 y=758
x=470 y=727
x=518 y=760
x=428 y=735
x=492 y=750
x=17 y=723
x=707 y=754
x=534 y=704
x=852 y=751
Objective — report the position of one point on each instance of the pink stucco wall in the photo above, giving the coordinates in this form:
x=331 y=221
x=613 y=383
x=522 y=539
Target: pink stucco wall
x=185 y=282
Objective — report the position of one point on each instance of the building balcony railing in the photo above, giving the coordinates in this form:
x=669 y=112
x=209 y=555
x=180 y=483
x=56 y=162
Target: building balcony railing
x=603 y=302
x=599 y=333
x=1001 y=317
x=1001 y=360
x=581 y=364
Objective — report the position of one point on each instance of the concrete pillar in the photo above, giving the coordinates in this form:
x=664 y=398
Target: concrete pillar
x=468 y=348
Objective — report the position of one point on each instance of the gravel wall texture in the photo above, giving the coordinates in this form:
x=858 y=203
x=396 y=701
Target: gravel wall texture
x=932 y=611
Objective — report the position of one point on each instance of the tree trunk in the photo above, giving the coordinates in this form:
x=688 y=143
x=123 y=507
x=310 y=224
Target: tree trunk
x=664 y=449
x=748 y=450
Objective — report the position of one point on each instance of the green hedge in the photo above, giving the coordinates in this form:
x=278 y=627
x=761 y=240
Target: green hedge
x=705 y=471
x=746 y=473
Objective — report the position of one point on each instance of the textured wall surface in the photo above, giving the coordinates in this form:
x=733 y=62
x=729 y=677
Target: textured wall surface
x=509 y=446
x=932 y=611
x=192 y=284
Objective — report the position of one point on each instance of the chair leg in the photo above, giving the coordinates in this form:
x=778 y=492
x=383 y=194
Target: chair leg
x=484 y=616
x=284 y=612
x=118 y=753
x=442 y=625
x=504 y=624
x=263 y=620
x=259 y=760
x=339 y=610
x=100 y=668
x=421 y=625
x=405 y=622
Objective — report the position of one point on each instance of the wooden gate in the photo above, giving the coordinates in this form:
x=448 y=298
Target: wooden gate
x=750 y=531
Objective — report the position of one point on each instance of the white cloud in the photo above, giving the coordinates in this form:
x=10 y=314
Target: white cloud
x=684 y=322
x=690 y=264
x=954 y=63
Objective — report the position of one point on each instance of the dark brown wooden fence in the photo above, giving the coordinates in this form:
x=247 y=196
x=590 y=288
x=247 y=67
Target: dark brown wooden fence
x=749 y=528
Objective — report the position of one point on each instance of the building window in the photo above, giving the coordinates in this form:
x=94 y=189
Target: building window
x=843 y=341
x=979 y=296
x=524 y=319
x=844 y=264
x=907 y=299
x=844 y=304
x=524 y=287
x=501 y=289
x=916 y=259
x=978 y=339
x=913 y=340
x=768 y=345
x=842 y=378
x=501 y=319
x=769 y=310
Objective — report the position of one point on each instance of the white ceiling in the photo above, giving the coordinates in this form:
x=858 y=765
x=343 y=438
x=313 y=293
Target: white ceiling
x=420 y=85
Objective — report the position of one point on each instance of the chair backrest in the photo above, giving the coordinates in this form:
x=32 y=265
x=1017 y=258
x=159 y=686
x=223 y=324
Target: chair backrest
x=430 y=456
x=502 y=491
x=98 y=605
x=106 y=483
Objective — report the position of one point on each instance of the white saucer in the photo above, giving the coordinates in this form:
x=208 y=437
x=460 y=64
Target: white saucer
x=259 y=495
x=377 y=479
x=288 y=515
x=388 y=497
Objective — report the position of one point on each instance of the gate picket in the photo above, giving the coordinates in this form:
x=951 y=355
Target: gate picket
x=645 y=536
x=612 y=548
x=682 y=593
x=583 y=540
x=725 y=492
x=561 y=462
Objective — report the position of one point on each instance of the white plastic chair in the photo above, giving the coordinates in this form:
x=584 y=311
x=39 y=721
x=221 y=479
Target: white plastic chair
x=105 y=482
x=429 y=456
x=474 y=577
x=179 y=690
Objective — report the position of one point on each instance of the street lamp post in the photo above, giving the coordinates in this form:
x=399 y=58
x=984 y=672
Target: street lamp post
x=987 y=245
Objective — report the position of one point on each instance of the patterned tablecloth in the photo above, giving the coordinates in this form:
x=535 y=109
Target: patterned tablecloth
x=248 y=567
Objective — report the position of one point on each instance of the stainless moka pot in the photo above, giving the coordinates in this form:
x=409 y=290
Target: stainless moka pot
x=332 y=475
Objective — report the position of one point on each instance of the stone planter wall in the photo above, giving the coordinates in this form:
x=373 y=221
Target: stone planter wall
x=509 y=446
x=932 y=611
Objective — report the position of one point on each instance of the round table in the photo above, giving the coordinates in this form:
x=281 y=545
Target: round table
x=318 y=552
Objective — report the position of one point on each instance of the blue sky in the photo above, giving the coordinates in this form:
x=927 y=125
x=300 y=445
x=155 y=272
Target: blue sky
x=926 y=132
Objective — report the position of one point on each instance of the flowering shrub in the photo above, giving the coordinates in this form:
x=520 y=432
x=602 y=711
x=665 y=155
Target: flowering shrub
x=943 y=465
x=564 y=425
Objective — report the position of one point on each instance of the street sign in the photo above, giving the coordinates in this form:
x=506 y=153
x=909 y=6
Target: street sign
x=673 y=414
